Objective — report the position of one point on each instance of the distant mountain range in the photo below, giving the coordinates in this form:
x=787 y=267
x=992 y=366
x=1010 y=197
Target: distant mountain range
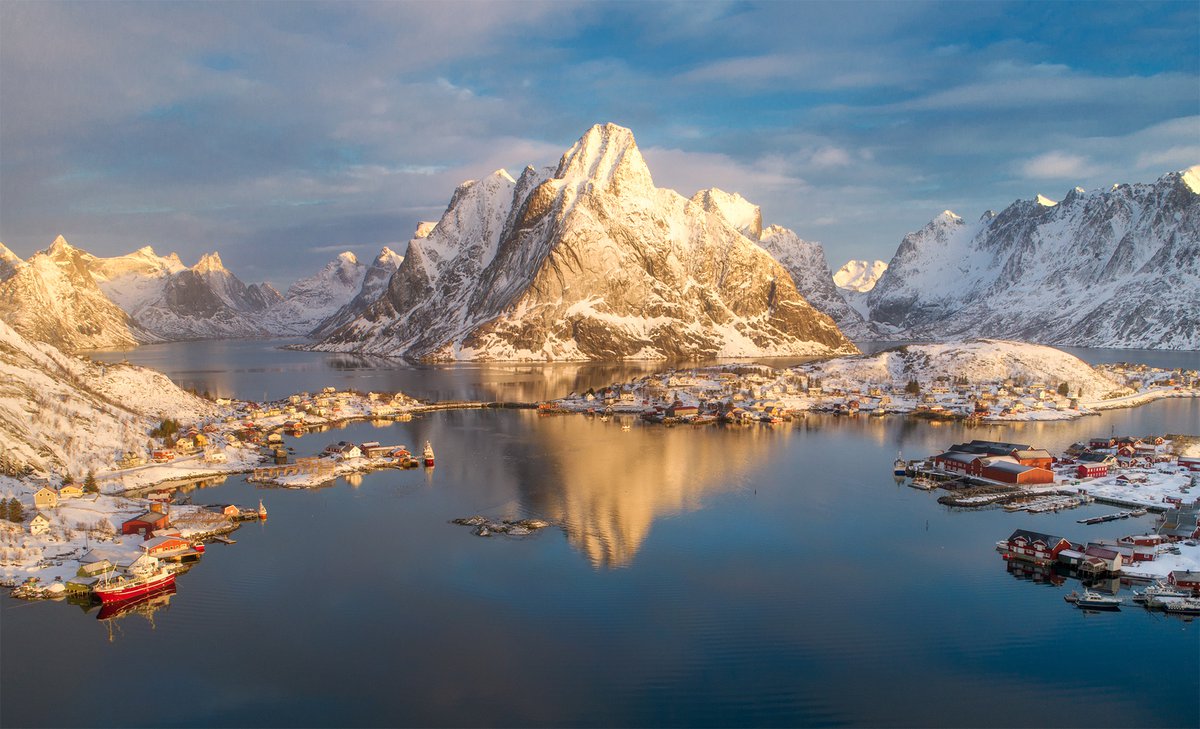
x=74 y=300
x=1108 y=268
x=589 y=260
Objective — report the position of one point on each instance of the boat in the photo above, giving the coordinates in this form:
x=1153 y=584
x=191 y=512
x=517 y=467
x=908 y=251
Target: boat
x=899 y=467
x=1073 y=597
x=1095 y=601
x=1183 y=606
x=1153 y=595
x=922 y=483
x=262 y=510
x=428 y=455
x=125 y=587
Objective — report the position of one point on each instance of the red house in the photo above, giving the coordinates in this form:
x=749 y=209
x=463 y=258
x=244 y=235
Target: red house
x=145 y=524
x=1185 y=579
x=1035 y=547
x=1091 y=470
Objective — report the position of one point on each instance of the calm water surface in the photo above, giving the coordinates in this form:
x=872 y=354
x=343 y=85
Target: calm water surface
x=717 y=576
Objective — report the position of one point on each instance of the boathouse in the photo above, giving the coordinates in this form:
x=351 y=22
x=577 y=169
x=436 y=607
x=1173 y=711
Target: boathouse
x=1185 y=579
x=1091 y=470
x=1007 y=471
x=1098 y=559
x=146 y=523
x=163 y=546
x=1037 y=457
x=1035 y=546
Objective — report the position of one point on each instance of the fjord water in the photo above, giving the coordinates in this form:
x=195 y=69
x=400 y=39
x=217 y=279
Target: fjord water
x=768 y=575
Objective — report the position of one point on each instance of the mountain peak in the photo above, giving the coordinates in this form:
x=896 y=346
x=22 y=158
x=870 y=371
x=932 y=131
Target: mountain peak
x=1191 y=178
x=947 y=216
x=346 y=257
x=607 y=155
x=209 y=263
x=859 y=275
x=1045 y=201
x=60 y=247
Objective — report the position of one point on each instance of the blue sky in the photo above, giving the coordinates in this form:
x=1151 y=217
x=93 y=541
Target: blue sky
x=281 y=133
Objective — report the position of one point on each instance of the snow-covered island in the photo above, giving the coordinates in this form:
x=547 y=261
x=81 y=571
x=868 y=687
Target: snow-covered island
x=986 y=379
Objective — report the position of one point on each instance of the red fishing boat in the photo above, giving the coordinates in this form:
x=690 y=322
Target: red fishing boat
x=124 y=587
x=428 y=455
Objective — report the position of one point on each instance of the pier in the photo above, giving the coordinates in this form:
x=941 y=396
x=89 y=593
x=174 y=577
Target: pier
x=305 y=466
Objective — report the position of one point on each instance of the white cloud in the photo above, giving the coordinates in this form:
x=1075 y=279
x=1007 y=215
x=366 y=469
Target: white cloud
x=1056 y=166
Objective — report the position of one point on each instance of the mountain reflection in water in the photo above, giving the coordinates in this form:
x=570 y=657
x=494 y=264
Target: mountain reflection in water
x=613 y=484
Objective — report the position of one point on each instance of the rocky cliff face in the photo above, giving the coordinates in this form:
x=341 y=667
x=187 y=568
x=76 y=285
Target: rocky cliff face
x=53 y=298
x=587 y=260
x=9 y=262
x=1108 y=268
x=312 y=300
x=806 y=262
x=374 y=282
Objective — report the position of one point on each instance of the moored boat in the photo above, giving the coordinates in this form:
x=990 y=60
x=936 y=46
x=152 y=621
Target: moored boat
x=1095 y=601
x=899 y=467
x=125 y=587
x=428 y=455
x=1183 y=606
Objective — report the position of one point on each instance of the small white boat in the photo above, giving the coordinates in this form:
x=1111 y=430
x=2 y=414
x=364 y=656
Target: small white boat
x=1157 y=594
x=1095 y=601
x=899 y=467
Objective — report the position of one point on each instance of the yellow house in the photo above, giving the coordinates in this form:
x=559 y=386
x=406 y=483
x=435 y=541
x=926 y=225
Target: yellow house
x=39 y=524
x=45 y=498
x=70 y=491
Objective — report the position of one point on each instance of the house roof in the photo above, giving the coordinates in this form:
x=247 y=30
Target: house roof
x=1032 y=453
x=1188 y=575
x=1048 y=539
x=1012 y=467
x=1095 y=550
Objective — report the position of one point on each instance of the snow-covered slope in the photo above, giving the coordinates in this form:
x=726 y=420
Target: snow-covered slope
x=134 y=280
x=859 y=276
x=60 y=413
x=984 y=360
x=1108 y=268
x=586 y=261
x=53 y=298
x=806 y=262
x=312 y=300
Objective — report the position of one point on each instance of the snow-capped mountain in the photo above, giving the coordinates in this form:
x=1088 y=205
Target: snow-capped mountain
x=374 y=283
x=205 y=301
x=859 y=276
x=312 y=300
x=806 y=262
x=63 y=414
x=588 y=260
x=1107 y=268
x=53 y=298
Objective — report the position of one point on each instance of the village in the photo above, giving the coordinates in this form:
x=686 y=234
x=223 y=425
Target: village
x=741 y=394
x=64 y=539
x=1150 y=474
